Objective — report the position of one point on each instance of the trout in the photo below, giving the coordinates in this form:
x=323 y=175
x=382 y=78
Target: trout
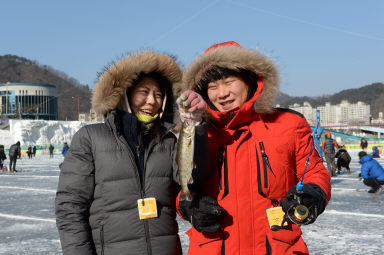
x=184 y=157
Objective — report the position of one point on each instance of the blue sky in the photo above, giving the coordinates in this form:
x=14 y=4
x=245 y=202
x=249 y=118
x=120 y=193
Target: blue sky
x=320 y=47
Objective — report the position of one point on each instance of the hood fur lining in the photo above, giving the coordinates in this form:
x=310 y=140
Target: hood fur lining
x=111 y=87
x=234 y=57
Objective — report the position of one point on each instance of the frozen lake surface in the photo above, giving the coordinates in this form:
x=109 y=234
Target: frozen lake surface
x=352 y=223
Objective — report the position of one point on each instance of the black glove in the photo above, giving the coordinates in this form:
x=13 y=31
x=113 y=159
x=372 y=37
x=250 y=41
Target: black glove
x=313 y=197
x=202 y=212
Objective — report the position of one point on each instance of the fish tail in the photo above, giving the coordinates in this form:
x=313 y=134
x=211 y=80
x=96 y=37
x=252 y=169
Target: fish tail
x=185 y=195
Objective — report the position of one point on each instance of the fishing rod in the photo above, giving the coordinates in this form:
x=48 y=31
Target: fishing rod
x=299 y=213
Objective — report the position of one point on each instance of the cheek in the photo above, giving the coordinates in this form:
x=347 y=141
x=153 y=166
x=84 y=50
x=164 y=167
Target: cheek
x=159 y=104
x=136 y=102
x=211 y=95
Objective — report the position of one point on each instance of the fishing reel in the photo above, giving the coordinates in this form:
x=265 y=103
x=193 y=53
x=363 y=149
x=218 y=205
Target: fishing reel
x=297 y=212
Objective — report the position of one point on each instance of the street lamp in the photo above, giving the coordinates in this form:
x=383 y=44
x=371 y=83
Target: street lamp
x=78 y=106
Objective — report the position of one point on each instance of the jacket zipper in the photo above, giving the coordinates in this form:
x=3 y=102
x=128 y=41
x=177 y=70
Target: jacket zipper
x=266 y=164
x=259 y=185
x=102 y=239
x=142 y=192
x=220 y=164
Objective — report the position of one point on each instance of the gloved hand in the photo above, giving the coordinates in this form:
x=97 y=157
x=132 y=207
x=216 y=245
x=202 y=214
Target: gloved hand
x=191 y=107
x=202 y=212
x=313 y=197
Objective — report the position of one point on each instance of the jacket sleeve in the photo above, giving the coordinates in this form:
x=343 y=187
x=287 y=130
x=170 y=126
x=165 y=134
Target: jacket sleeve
x=365 y=171
x=315 y=172
x=74 y=196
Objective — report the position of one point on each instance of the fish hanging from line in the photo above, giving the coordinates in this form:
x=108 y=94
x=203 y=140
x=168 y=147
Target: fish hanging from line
x=184 y=157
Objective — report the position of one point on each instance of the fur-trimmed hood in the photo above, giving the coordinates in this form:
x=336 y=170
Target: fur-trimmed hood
x=112 y=85
x=232 y=56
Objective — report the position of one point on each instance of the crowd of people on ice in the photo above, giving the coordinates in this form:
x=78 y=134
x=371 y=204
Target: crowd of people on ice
x=15 y=152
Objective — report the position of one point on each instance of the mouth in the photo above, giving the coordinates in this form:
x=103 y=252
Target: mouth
x=227 y=104
x=146 y=112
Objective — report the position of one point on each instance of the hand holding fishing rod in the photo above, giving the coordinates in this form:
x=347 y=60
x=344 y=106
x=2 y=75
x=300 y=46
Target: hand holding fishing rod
x=303 y=203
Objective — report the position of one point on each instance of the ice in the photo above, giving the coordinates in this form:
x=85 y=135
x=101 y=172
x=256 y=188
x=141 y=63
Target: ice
x=352 y=223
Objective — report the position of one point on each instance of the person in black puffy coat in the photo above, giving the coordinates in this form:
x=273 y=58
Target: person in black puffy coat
x=128 y=162
x=14 y=153
x=2 y=157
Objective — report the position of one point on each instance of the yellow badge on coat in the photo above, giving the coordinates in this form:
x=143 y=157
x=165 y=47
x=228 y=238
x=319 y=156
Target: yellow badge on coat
x=147 y=208
x=276 y=216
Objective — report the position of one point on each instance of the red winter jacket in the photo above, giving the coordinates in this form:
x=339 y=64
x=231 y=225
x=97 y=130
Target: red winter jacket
x=257 y=155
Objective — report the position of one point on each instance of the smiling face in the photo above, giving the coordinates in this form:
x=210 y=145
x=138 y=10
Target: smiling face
x=228 y=93
x=146 y=97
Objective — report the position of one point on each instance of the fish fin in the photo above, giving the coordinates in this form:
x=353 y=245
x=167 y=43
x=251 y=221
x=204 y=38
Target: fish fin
x=190 y=181
x=185 y=195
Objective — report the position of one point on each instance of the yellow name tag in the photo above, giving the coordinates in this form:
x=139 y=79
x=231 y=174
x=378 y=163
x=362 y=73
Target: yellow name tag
x=276 y=216
x=147 y=208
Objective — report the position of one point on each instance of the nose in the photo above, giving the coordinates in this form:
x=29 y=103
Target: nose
x=223 y=91
x=151 y=99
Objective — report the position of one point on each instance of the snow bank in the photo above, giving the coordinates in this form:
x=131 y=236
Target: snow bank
x=40 y=132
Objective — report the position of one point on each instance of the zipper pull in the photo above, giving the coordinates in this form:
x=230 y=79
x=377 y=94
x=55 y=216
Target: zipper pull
x=265 y=156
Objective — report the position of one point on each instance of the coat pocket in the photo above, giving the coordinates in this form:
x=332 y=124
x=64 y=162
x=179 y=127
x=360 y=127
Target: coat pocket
x=204 y=243
x=286 y=241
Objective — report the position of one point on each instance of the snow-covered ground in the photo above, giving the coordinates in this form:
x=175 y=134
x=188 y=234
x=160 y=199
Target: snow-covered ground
x=352 y=223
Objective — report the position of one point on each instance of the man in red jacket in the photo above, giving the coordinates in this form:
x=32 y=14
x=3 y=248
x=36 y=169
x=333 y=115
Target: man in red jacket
x=258 y=155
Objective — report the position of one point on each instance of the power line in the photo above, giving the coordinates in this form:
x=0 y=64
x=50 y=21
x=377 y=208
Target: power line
x=181 y=24
x=308 y=22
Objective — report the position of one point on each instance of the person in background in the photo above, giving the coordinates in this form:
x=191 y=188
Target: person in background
x=363 y=144
x=119 y=181
x=343 y=159
x=51 y=148
x=65 y=149
x=258 y=155
x=34 y=151
x=372 y=172
x=329 y=147
x=14 y=153
x=2 y=157
x=29 y=151
x=375 y=152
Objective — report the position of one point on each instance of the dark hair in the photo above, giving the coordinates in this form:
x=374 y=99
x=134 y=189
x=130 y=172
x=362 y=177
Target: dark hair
x=362 y=154
x=216 y=73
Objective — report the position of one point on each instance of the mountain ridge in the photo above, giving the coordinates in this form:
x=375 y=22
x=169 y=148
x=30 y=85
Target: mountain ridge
x=19 y=69
x=372 y=94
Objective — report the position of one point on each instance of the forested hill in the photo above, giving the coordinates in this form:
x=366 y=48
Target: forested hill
x=19 y=69
x=372 y=94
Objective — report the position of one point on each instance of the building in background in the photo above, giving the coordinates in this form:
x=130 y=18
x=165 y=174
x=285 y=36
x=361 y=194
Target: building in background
x=28 y=101
x=343 y=113
x=92 y=116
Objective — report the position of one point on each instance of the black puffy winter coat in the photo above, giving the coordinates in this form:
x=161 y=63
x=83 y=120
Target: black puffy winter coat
x=99 y=184
x=14 y=151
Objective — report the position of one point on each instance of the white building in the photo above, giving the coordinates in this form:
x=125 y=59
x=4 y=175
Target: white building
x=28 y=101
x=343 y=113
